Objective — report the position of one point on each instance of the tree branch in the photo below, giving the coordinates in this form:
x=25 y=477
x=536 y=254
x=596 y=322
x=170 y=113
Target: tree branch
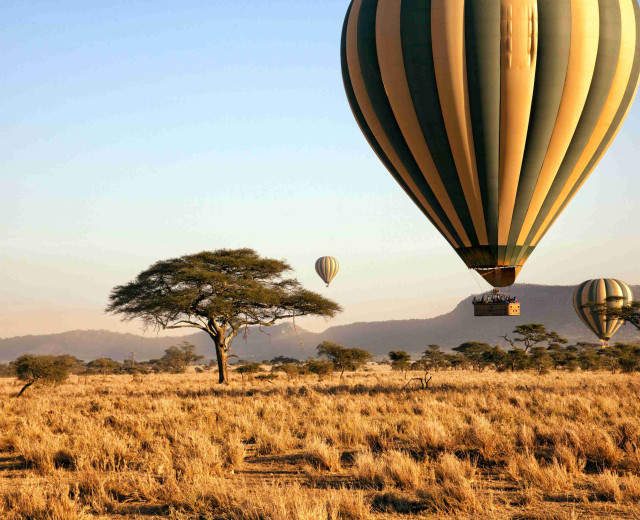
x=187 y=322
x=204 y=323
x=184 y=326
x=510 y=341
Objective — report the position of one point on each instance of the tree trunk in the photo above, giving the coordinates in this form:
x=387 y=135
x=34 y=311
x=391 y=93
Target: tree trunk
x=223 y=369
x=25 y=387
x=222 y=354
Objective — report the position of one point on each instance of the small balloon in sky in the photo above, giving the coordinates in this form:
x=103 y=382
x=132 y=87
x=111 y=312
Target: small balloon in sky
x=327 y=268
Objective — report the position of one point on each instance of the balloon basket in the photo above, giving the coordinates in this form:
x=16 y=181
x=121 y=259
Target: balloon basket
x=496 y=304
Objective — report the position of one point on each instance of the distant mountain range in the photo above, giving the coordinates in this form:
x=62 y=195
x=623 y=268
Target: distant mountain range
x=549 y=305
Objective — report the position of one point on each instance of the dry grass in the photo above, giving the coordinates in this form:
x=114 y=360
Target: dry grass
x=476 y=445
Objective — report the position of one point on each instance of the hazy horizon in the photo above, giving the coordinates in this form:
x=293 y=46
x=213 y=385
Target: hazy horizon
x=134 y=134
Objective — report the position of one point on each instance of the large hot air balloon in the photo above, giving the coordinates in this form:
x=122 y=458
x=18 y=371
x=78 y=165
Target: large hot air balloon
x=590 y=296
x=491 y=114
x=327 y=268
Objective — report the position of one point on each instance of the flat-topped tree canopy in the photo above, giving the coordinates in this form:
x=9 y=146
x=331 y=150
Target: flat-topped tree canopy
x=218 y=292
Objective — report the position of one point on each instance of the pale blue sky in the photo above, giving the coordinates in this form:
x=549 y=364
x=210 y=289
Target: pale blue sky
x=135 y=131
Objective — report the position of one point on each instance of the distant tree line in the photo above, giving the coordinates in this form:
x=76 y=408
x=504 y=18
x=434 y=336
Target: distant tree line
x=332 y=357
x=621 y=357
x=49 y=370
x=176 y=360
x=532 y=348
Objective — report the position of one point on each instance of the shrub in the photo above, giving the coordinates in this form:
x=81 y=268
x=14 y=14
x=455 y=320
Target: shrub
x=104 y=366
x=290 y=370
x=249 y=368
x=319 y=367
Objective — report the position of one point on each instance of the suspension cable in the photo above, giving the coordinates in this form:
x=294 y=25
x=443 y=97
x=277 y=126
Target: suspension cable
x=482 y=290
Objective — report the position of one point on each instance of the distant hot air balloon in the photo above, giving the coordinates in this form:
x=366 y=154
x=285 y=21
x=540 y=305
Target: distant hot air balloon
x=491 y=114
x=327 y=268
x=592 y=295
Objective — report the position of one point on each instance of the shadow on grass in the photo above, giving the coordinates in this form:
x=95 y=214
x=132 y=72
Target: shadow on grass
x=12 y=463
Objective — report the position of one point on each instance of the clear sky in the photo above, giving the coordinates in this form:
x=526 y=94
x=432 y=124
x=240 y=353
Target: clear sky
x=134 y=131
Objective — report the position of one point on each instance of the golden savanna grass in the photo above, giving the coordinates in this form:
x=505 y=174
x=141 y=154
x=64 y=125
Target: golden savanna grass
x=475 y=445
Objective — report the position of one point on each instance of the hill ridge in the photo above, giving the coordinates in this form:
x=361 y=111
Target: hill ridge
x=551 y=305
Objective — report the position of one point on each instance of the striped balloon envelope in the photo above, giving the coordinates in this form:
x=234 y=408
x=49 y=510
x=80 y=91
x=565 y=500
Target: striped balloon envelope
x=491 y=114
x=591 y=296
x=327 y=268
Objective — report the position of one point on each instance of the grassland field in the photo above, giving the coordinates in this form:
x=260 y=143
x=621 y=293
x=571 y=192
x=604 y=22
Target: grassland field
x=480 y=445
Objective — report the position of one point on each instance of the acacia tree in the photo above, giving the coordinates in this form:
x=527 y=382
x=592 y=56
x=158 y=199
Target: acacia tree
x=496 y=357
x=401 y=361
x=42 y=369
x=533 y=334
x=177 y=359
x=219 y=292
x=540 y=360
x=344 y=358
x=104 y=366
x=518 y=359
x=434 y=358
x=475 y=352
